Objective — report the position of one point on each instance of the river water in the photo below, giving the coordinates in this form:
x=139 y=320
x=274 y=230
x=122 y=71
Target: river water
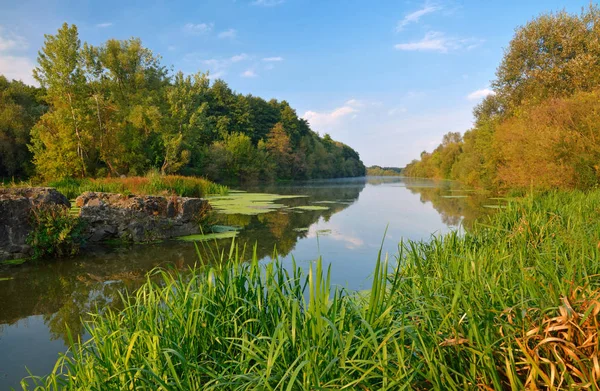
x=40 y=303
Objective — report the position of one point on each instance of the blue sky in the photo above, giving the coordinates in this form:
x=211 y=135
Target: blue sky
x=387 y=77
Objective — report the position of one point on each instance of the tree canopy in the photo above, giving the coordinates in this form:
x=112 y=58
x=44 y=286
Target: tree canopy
x=114 y=110
x=541 y=127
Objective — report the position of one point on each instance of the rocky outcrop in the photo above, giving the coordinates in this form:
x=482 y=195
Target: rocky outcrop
x=15 y=210
x=139 y=218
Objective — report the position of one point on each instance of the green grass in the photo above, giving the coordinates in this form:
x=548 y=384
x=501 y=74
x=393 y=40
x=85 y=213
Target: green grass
x=152 y=184
x=513 y=304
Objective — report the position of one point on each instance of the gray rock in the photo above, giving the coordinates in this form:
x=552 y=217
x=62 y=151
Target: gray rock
x=139 y=218
x=15 y=211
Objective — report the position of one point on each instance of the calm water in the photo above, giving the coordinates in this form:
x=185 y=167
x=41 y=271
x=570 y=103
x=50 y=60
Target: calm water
x=39 y=301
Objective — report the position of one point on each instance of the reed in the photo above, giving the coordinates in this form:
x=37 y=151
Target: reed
x=151 y=184
x=513 y=304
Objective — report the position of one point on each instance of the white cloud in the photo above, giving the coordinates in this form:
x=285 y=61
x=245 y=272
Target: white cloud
x=437 y=42
x=414 y=17
x=13 y=66
x=267 y=3
x=18 y=68
x=397 y=110
x=230 y=34
x=272 y=59
x=480 y=94
x=322 y=121
x=104 y=25
x=355 y=103
x=198 y=29
x=10 y=41
x=216 y=75
x=239 y=57
x=249 y=73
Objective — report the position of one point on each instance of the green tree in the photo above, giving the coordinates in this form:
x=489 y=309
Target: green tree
x=62 y=140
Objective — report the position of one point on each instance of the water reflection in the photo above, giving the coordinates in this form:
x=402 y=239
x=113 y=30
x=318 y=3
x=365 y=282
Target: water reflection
x=39 y=303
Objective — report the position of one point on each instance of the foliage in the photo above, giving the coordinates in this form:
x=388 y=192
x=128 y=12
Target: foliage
x=513 y=304
x=384 y=171
x=20 y=108
x=55 y=232
x=115 y=110
x=151 y=184
x=539 y=128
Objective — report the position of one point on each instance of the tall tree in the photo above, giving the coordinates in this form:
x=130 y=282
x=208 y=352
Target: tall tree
x=62 y=140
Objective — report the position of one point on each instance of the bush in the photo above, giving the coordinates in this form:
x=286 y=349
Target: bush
x=56 y=233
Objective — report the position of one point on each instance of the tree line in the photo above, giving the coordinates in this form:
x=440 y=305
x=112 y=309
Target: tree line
x=541 y=126
x=115 y=110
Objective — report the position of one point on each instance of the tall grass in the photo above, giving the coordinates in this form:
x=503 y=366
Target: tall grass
x=513 y=304
x=151 y=184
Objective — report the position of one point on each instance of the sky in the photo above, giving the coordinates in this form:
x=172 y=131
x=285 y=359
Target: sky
x=387 y=77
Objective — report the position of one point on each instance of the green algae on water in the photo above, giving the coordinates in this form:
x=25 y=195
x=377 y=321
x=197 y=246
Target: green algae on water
x=310 y=207
x=205 y=237
x=249 y=203
x=17 y=261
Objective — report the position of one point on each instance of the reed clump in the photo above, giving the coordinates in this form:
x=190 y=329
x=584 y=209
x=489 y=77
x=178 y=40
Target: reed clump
x=513 y=304
x=151 y=184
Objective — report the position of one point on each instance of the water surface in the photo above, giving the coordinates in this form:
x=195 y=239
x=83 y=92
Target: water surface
x=40 y=302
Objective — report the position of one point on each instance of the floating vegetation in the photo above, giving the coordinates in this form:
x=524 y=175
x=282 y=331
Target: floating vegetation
x=205 y=237
x=310 y=207
x=455 y=196
x=6 y=278
x=224 y=228
x=17 y=261
x=305 y=229
x=324 y=232
x=248 y=203
x=494 y=206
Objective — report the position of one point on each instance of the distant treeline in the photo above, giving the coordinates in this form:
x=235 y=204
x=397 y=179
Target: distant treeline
x=541 y=127
x=114 y=110
x=384 y=171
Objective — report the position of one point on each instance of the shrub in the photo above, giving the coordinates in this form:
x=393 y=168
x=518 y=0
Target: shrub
x=56 y=233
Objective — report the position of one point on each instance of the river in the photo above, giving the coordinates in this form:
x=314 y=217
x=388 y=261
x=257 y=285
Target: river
x=41 y=302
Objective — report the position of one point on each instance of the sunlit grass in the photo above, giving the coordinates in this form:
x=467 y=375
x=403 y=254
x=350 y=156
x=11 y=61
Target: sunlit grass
x=152 y=184
x=513 y=304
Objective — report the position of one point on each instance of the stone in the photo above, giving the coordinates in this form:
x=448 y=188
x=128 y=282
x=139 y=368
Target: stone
x=109 y=216
x=15 y=221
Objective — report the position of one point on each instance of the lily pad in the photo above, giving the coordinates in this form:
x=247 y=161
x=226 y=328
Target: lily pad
x=205 y=237
x=248 y=203
x=310 y=207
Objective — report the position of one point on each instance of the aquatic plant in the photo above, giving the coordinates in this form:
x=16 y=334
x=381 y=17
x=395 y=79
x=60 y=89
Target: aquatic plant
x=512 y=304
x=249 y=203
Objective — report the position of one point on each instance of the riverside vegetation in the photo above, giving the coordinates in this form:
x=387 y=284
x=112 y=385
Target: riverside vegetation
x=539 y=128
x=114 y=110
x=512 y=304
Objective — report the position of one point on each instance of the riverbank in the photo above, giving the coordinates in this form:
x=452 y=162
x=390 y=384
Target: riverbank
x=513 y=303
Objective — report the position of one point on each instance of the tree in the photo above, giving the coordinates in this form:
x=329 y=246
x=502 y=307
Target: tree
x=62 y=140
x=278 y=146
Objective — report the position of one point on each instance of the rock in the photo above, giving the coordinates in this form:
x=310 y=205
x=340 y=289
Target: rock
x=15 y=209
x=139 y=218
